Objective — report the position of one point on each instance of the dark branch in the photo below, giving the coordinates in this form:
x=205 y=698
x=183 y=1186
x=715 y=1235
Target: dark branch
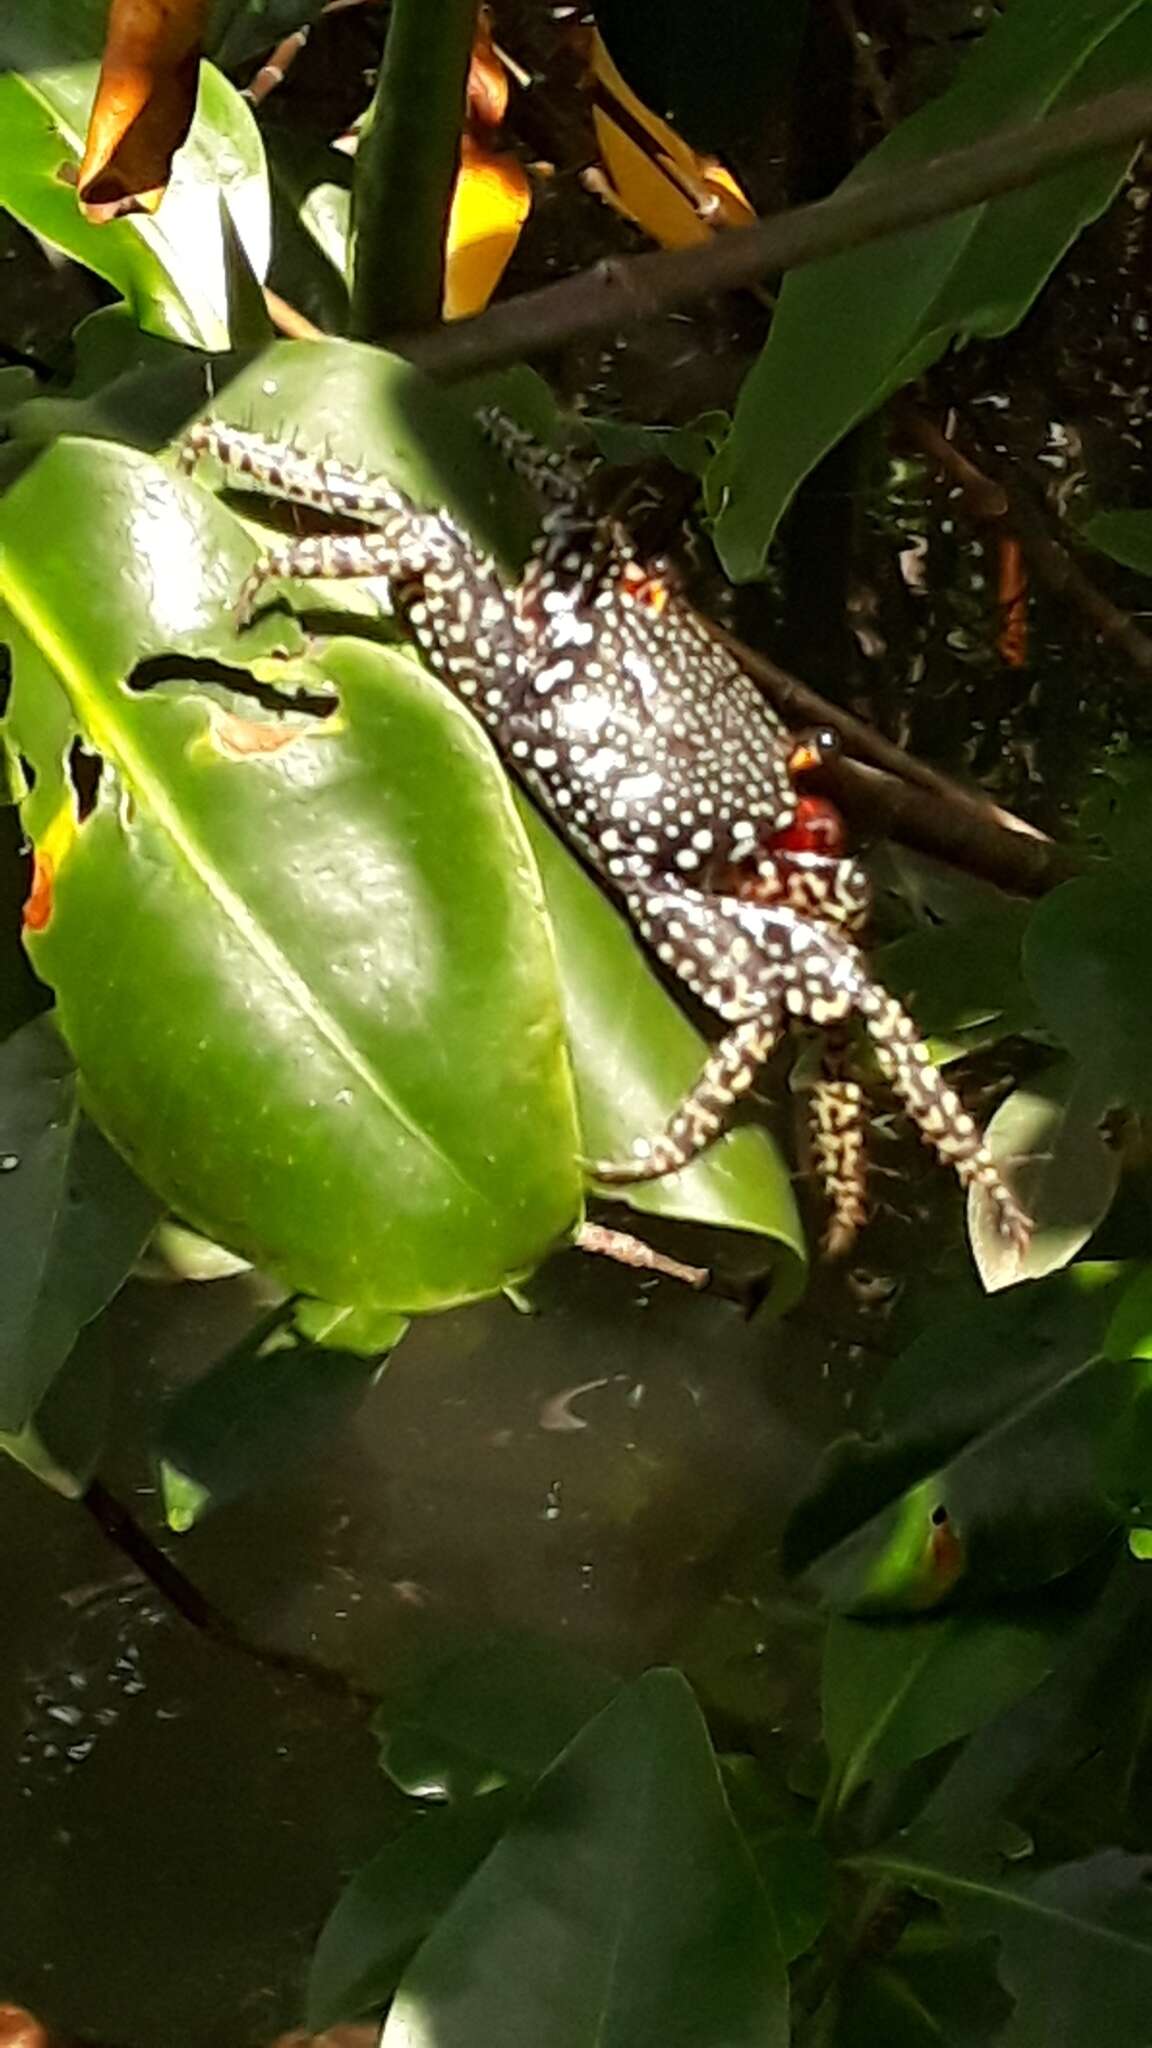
x=623 y=290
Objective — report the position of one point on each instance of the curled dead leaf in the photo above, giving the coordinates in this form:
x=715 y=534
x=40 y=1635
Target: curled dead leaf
x=144 y=105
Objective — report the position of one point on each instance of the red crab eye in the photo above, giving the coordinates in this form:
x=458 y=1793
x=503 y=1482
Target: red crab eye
x=817 y=828
x=645 y=587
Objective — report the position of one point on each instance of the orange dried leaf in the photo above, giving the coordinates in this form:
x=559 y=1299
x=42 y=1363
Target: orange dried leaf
x=490 y=203
x=144 y=105
x=677 y=196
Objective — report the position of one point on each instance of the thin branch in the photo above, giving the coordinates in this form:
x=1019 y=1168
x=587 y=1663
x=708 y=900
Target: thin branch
x=623 y=290
x=179 y=1593
x=903 y=798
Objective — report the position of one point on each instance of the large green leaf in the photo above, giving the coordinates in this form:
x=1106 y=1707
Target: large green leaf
x=186 y=271
x=73 y=1219
x=849 y=331
x=963 y=980
x=1047 y=1139
x=1125 y=535
x=392 y=1904
x=63 y=1442
x=1075 y=1942
x=1014 y=1386
x=895 y=1691
x=309 y=989
x=1086 y=959
x=294 y=1378
x=620 y=1910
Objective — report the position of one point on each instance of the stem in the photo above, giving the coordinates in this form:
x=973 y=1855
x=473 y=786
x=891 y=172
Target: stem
x=623 y=290
x=406 y=167
x=177 y=1591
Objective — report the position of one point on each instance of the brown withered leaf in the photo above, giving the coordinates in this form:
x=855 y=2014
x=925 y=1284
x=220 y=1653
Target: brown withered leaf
x=143 y=107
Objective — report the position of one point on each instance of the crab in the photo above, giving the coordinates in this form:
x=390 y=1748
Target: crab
x=635 y=729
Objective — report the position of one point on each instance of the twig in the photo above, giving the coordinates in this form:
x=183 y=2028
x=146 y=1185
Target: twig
x=275 y=68
x=868 y=71
x=632 y=1251
x=178 y=1592
x=622 y=290
x=288 y=320
x=1050 y=557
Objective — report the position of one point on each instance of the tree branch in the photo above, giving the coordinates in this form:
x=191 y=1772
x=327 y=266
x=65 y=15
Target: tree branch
x=623 y=290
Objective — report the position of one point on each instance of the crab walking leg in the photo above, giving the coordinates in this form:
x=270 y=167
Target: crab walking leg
x=729 y=1072
x=286 y=472
x=935 y=1108
x=838 y=1132
x=381 y=552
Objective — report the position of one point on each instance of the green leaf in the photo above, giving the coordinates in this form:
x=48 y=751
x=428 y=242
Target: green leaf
x=1013 y=1385
x=1126 y=536
x=1086 y=956
x=267 y=1404
x=177 y=269
x=932 y=1991
x=73 y=1219
x=1075 y=1941
x=396 y=1901
x=963 y=981
x=501 y=1709
x=635 y=1055
x=894 y=1692
x=64 y=1441
x=350 y=1066
x=1046 y=1138
x=796 y=1872
x=848 y=332
x=621 y=1909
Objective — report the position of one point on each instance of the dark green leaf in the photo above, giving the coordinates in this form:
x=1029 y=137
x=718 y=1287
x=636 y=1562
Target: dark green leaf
x=176 y=269
x=796 y=1872
x=1126 y=536
x=502 y=1709
x=849 y=331
x=268 y=1403
x=933 y=1991
x=1075 y=1942
x=73 y=1219
x=895 y=1691
x=963 y=981
x=394 y=1903
x=64 y=1441
x=620 y=1910
x=1007 y=1451
x=241 y=29
x=1086 y=959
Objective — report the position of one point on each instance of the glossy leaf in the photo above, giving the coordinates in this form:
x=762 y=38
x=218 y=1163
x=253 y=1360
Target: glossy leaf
x=848 y=332
x=63 y=1441
x=500 y=1709
x=1126 y=536
x=1046 y=1137
x=391 y=1905
x=253 y=1414
x=797 y=1874
x=351 y=1069
x=1085 y=959
x=1017 y=1384
x=182 y=272
x=894 y=1692
x=620 y=1910
x=635 y=1055
x=73 y=1219
x=1075 y=1942
x=963 y=981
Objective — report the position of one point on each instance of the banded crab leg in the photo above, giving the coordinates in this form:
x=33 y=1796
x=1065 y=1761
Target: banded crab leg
x=758 y=964
x=838 y=1134
x=399 y=541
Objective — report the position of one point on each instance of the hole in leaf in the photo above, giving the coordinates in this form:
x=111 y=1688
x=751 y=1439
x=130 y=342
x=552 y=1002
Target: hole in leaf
x=169 y=668
x=5 y=680
x=27 y=771
x=939 y=1516
x=84 y=772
